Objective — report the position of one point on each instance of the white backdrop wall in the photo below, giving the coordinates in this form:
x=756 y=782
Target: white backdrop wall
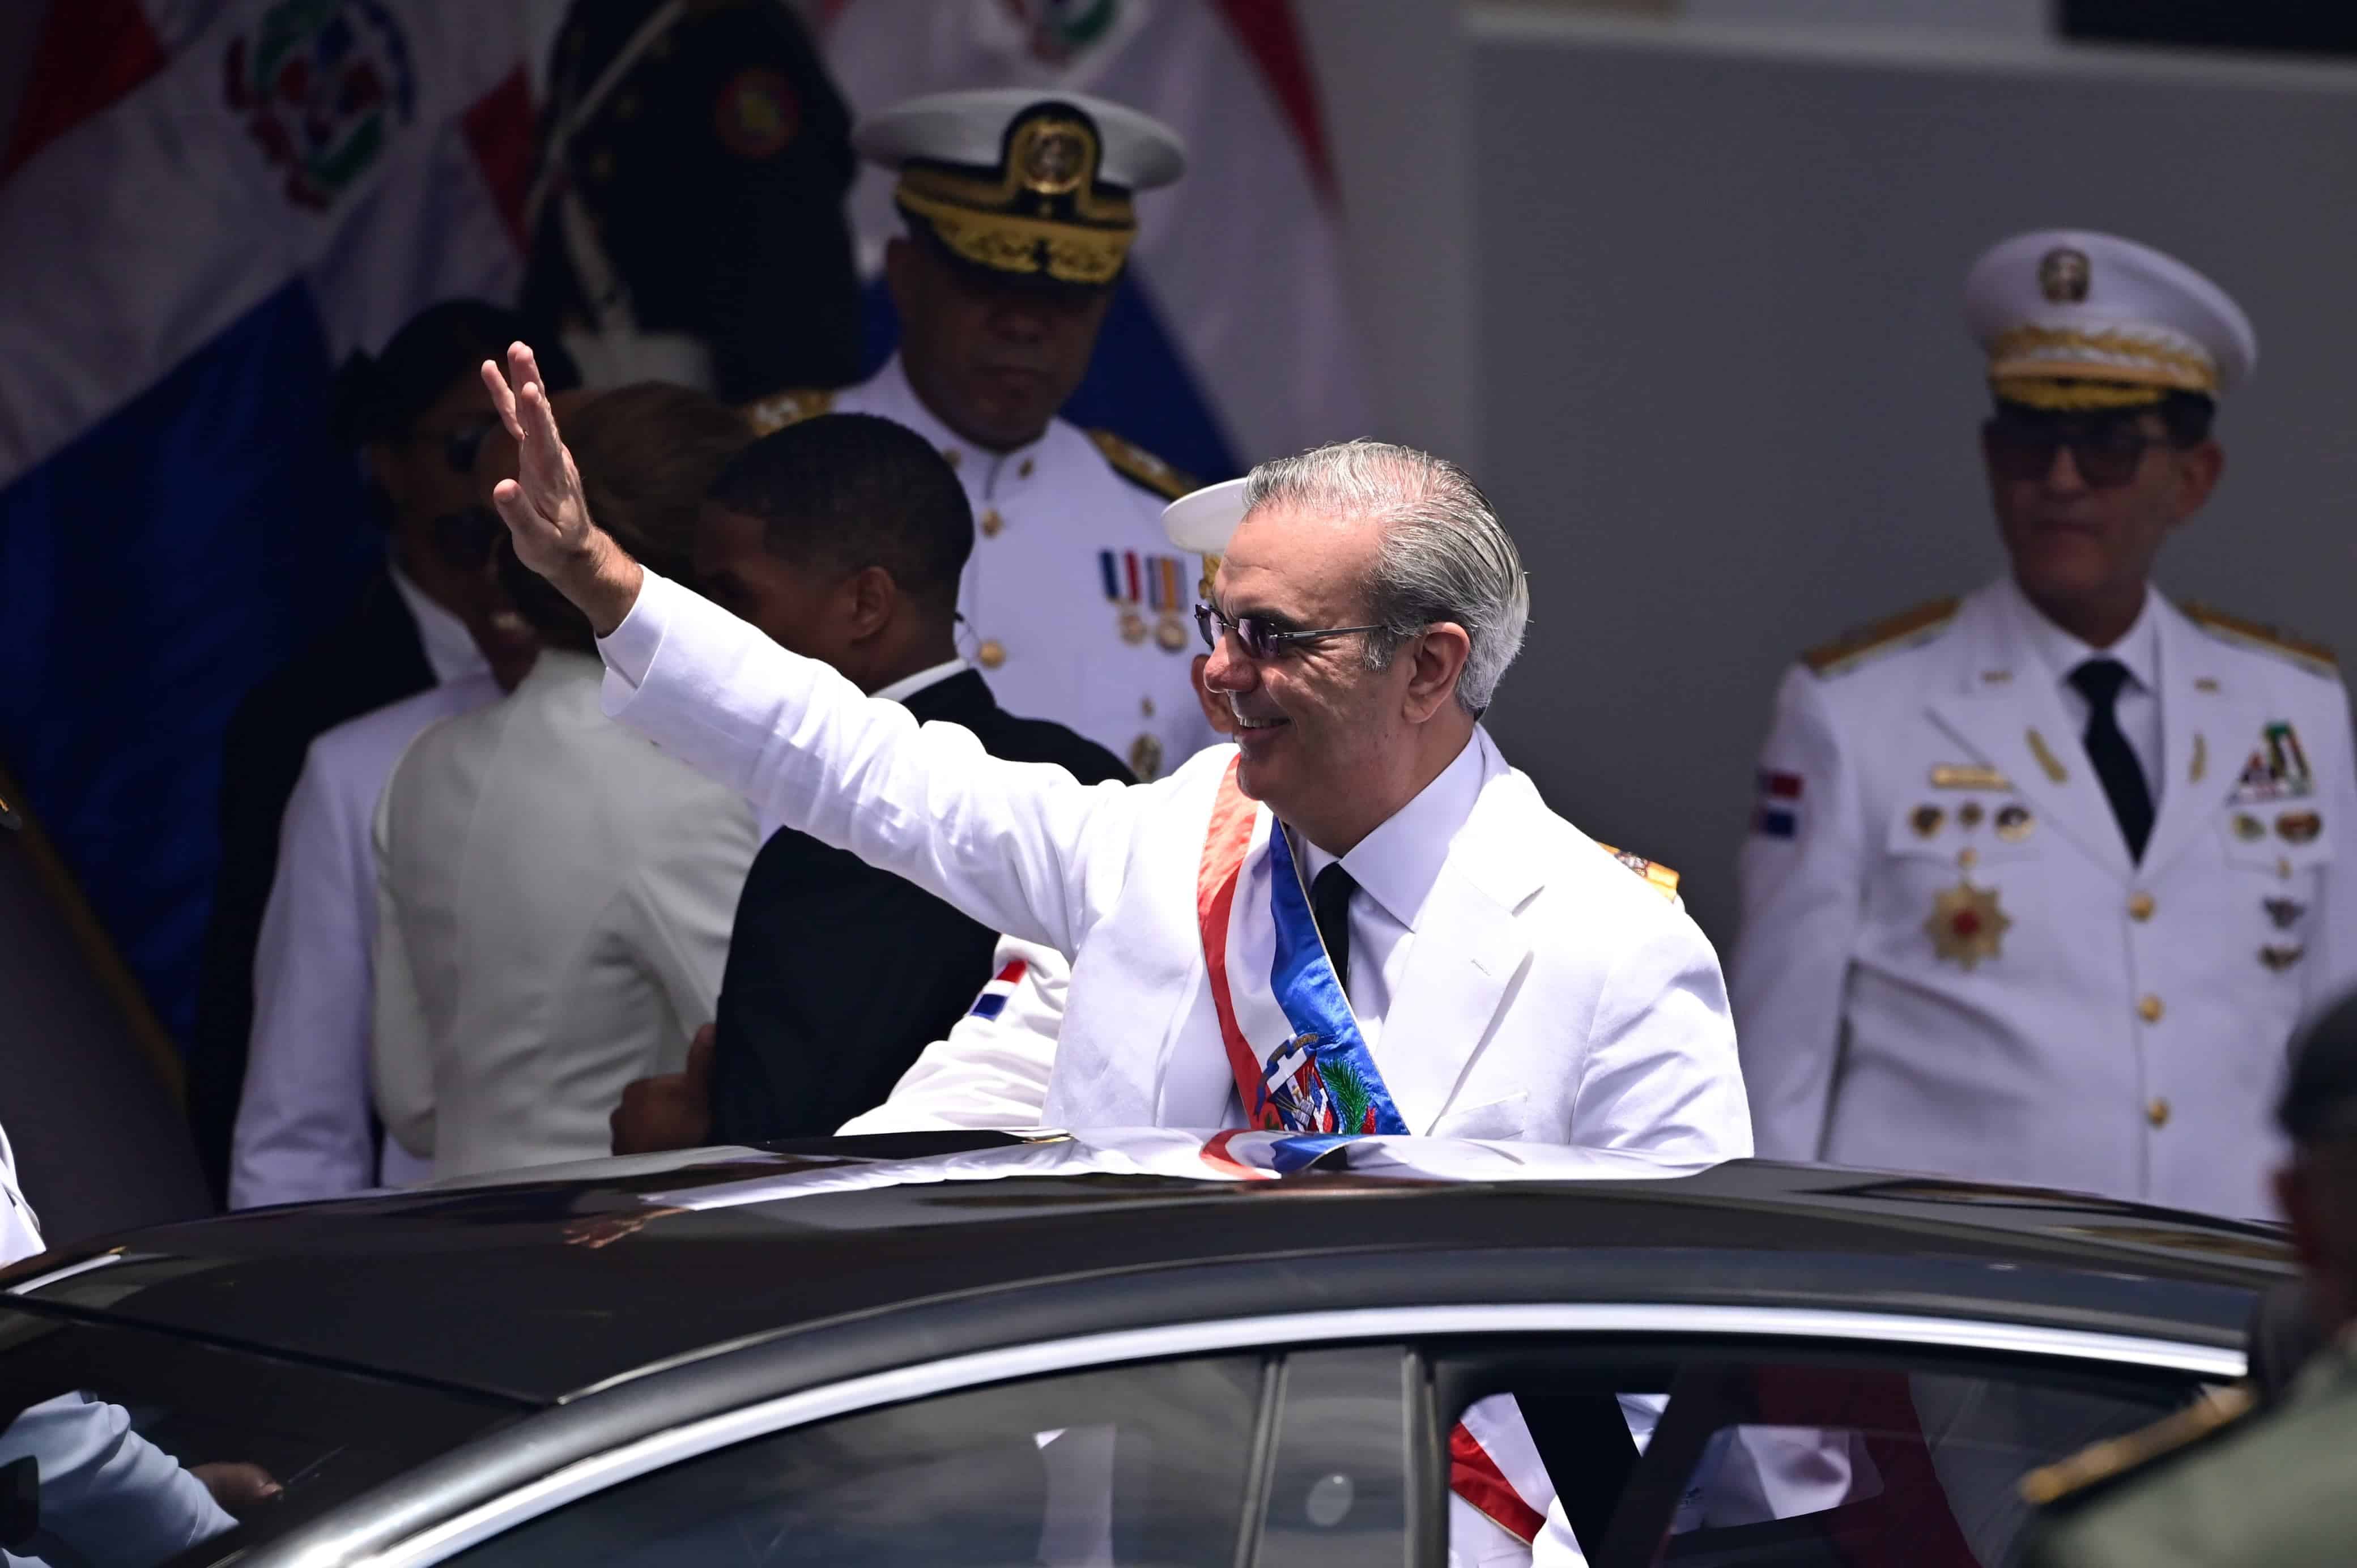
x=1727 y=404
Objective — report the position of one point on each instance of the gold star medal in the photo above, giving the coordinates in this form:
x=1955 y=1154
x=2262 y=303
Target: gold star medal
x=1966 y=924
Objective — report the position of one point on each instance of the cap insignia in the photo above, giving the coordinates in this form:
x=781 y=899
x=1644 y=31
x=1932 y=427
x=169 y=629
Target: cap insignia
x=2063 y=275
x=1053 y=156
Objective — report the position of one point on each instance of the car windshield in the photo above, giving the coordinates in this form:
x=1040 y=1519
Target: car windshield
x=125 y=1448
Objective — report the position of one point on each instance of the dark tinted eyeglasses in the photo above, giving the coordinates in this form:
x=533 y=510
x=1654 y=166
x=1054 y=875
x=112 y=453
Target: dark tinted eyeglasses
x=2106 y=452
x=1260 y=637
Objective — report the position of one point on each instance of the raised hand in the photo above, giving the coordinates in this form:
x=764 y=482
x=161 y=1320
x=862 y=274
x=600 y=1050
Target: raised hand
x=547 y=512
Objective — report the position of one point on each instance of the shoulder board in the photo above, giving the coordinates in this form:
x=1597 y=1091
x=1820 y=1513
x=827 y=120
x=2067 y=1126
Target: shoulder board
x=2311 y=656
x=779 y=409
x=1659 y=877
x=1860 y=644
x=1142 y=467
x=2079 y=1477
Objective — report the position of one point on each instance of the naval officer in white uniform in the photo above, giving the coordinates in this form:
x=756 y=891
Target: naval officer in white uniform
x=2040 y=879
x=1020 y=217
x=1510 y=980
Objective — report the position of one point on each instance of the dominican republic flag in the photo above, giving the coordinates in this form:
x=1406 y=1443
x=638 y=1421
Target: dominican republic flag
x=204 y=206
x=994 y=995
x=1230 y=338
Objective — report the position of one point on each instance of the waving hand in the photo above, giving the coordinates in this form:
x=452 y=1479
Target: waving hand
x=547 y=513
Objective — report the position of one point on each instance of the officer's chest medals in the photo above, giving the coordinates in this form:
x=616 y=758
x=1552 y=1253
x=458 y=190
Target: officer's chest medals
x=1967 y=922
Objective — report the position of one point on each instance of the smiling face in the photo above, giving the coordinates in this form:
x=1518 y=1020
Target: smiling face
x=1319 y=732
x=994 y=360
x=2075 y=545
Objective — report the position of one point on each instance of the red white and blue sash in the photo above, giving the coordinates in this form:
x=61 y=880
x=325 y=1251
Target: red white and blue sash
x=1301 y=1064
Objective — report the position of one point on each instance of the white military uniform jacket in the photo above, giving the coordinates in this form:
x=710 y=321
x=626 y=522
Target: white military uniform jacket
x=304 y=1127
x=555 y=902
x=1948 y=962
x=1038 y=621
x=1545 y=992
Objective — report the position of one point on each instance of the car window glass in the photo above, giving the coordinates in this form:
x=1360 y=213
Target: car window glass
x=1848 y=1460
x=1338 y=1487
x=1143 y=1465
x=123 y=1448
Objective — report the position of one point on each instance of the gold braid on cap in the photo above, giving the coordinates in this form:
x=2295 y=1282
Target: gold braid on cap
x=2073 y=397
x=2070 y=353
x=1015 y=219
x=1211 y=576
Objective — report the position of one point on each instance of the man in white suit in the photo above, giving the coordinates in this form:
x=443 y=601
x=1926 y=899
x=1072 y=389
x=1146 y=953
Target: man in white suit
x=1510 y=980
x=2040 y=879
x=557 y=894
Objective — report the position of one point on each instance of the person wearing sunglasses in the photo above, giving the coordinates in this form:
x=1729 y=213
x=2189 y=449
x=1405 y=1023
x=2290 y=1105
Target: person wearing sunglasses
x=416 y=415
x=2040 y=879
x=1357 y=918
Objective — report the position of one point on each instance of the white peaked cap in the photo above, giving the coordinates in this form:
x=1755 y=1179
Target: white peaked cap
x=1202 y=521
x=2058 y=307
x=969 y=128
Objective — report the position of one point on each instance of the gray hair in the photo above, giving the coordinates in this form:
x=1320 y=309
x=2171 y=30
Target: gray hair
x=1444 y=556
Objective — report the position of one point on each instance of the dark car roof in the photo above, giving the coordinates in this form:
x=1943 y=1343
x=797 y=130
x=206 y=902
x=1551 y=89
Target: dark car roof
x=540 y=1289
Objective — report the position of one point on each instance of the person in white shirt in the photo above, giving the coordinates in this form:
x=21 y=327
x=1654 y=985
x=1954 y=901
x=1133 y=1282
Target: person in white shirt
x=2040 y=880
x=1500 y=976
x=1021 y=209
x=555 y=893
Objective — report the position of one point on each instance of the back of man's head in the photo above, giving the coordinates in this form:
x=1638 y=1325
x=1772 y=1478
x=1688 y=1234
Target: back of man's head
x=646 y=454
x=2318 y=1189
x=844 y=492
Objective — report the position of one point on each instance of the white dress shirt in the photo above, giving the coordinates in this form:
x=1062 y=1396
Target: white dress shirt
x=2138 y=707
x=450 y=651
x=1395 y=866
x=556 y=897
x=303 y=1122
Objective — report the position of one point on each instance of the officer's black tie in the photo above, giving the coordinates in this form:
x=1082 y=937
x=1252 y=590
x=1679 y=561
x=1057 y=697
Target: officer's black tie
x=2099 y=680
x=1329 y=905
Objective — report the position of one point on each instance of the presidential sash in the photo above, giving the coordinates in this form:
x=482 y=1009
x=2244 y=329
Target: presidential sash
x=1301 y=1064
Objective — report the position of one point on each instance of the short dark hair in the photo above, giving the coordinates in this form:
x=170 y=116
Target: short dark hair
x=843 y=493
x=646 y=454
x=378 y=397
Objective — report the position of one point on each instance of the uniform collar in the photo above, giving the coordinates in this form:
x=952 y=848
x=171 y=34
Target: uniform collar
x=1397 y=864
x=2061 y=653
x=908 y=686
x=898 y=401
x=450 y=651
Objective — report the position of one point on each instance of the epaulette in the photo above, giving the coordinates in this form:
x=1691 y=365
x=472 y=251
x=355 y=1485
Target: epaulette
x=779 y=409
x=1659 y=877
x=2314 y=657
x=1908 y=627
x=1139 y=465
x=2081 y=1477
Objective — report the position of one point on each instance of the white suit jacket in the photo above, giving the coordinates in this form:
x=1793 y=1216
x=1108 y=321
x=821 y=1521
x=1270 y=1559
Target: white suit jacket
x=2127 y=1034
x=302 y=1119
x=1548 y=996
x=557 y=897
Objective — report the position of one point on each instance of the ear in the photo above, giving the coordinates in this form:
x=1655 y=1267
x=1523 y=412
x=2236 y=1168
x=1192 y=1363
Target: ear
x=2199 y=469
x=1436 y=657
x=2294 y=1197
x=384 y=467
x=870 y=602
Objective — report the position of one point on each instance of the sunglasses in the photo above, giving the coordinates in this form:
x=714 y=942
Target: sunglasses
x=2106 y=453
x=462 y=443
x=1259 y=635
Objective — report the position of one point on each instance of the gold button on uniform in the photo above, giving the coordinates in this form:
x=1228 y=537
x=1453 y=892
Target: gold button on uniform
x=2149 y=1009
x=2141 y=907
x=991 y=523
x=2157 y=1111
x=993 y=653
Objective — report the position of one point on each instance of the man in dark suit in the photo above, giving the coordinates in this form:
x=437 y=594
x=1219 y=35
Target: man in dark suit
x=842 y=538
x=419 y=413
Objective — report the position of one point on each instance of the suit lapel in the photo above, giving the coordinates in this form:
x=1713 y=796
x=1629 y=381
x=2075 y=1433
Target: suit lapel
x=1465 y=951
x=2202 y=751
x=2017 y=725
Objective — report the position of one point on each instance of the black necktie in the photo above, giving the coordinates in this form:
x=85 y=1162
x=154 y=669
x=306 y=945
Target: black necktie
x=2099 y=680
x=1329 y=905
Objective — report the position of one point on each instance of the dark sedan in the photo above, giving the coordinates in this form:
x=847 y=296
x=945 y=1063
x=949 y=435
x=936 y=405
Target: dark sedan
x=1131 y=1349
